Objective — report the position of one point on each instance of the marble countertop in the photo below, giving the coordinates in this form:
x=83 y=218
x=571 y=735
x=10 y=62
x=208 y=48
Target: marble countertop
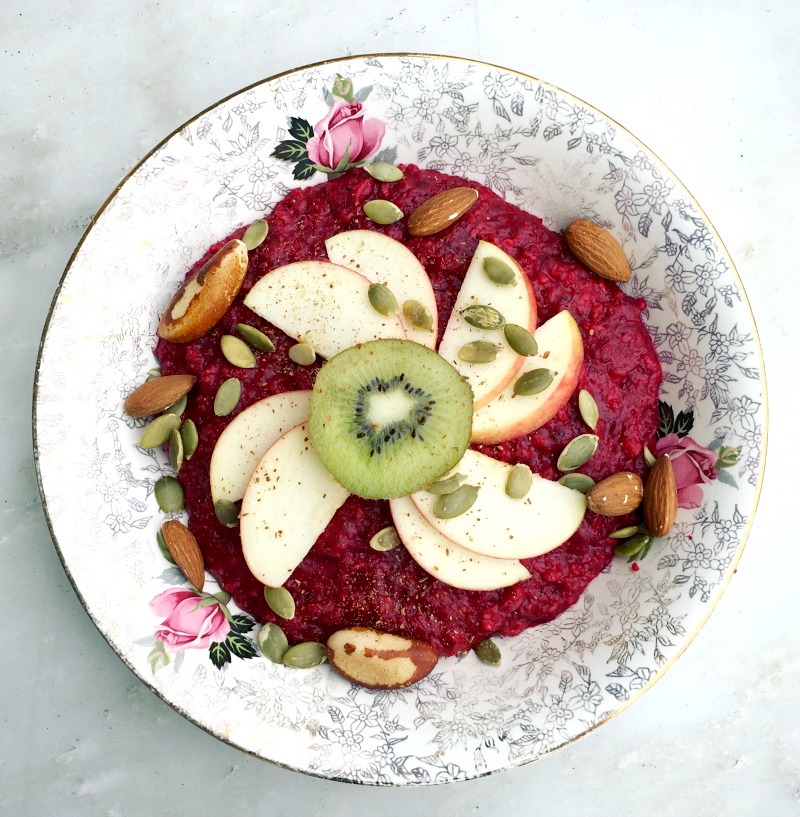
x=88 y=88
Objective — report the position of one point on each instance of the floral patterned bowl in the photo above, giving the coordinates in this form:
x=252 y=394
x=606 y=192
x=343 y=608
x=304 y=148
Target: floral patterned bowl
x=548 y=153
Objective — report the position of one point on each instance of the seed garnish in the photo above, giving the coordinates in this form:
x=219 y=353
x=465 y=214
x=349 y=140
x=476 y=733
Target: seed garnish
x=588 y=409
x=448 y=506
x=273 y=642
x=280 y=601
x=534 y=382
x=488 y=652
x=237 y=352
x=169 y=495
x=478 y=351
x=227 y=513
x=257 y=339
x=227 y=397
x=520 y=340
x=519 y=481
x=302 y=354
x=383 y=300
x=386 y=539
x=305 y=655
x=384 y=171
x=190 y=437
x=499 y=272
x=158 y=431
x=578 y=482
x=382 y=212
x=577 y=452
x=483 y=317
x=255 y=234
x=446 y=486
x=418 y=315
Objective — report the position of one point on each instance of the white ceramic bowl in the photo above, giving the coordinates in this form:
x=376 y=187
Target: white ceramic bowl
x=543 y=150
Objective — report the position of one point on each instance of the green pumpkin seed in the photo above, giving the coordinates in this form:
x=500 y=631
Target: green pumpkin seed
x=272 y=642
x=280 y=601
x=577 y=452
x=386 y=539
x=446 y=486
x=237 y=352
x=227 y=513
x=478 y=351
x=255 y=234
x=578 y=482
x=384 y=171
x=169 y=495
x=499 y=272
x=162 y=546
x=520 y=340
x=418 y=315
x=488 y=652
x=454 y=504
x=302 y=354
x=158 y=431
x=588 y=409
x=483 y=317
x=258 y=340
x=534 y=382
x=624 y=533
x=227 y=397
x=382 y=212
x=176 y=450
x=383 y=300
x=306 y=655
x=519 y=481
x=190 y=437
x=635 y=547
x=178 y=407
x=153 y=373
x=649 y=457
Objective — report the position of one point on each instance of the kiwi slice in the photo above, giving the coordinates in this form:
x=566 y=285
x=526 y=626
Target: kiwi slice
x=388 y=417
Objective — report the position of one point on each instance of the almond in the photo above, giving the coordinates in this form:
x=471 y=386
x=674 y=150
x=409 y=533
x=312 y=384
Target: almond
x=441 y=210
x=158 y=394
x=595 y=247
x=616 y=495
x=185 y=551
x=660 y=497
x=205 y=297
x=380 y=660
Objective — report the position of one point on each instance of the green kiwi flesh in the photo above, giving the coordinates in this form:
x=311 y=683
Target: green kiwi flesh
x=389 y=417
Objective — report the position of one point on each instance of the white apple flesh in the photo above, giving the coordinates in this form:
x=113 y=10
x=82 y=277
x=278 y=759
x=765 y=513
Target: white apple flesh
x=288 y=503
x=322 y=304
x=247 y=438
x=516 y=304
x=506 y=528
x=383 y=260
x=445 y=560
x=510 y=415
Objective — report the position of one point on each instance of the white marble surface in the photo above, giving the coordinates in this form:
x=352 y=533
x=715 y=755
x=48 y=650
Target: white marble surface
x=89 y=87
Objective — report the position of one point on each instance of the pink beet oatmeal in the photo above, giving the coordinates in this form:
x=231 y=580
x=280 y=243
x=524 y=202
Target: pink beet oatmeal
x=343 y=582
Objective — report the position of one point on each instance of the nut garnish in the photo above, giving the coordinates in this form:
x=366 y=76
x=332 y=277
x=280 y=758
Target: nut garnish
x=660 y=499
x=595 y=247
x=185 y=551
x=441 y=210
x=158 y=394
x=616 y=495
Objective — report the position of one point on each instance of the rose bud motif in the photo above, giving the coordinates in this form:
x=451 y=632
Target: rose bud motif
x=344 y=133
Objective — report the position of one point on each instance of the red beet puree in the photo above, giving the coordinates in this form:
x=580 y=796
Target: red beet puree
x=343 y=582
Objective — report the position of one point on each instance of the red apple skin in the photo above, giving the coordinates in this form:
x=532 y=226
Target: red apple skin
x=541 y=411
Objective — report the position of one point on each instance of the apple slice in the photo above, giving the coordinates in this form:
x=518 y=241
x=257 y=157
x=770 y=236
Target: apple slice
x=447 y=561
x=506 y=528
x=322 y=304
x=510 y=415
x=289 y=501
x=383 y=260
x=244 y=442
x=516 y=303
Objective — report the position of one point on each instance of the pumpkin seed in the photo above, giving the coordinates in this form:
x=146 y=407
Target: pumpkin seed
x=519 y=481
x=448 y=506
x=382 y=212
x=578 y=482
x=383 y=300
x=418 y=315
x=169 y=495
x=162 y=546
x=255 y=234
x=478 y=351
x=588 y=409
x=649 y=457
x=178 y=407
x=272 y=642
x=635 y=547
x=624 y=533
x=577 y=452
x=384 y=171
x=483 y=317
x=158 y=431
x=280 y=601
x=153 y=373
x=386 y=539
x=305 y=655
x=520 y=340
x=258 y=340
x=227 y=513
x=176 y=450
x=499 y=272
x=446 y=486
x=237 y=352
x=302 y=354
x=488 y=652
x=534 y=382
x=190 y=437
x=227 y=397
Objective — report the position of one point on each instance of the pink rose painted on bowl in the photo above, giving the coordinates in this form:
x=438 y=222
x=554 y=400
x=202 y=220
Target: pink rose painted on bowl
x=344 y=133
x=693 y=465
x=187 y=626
